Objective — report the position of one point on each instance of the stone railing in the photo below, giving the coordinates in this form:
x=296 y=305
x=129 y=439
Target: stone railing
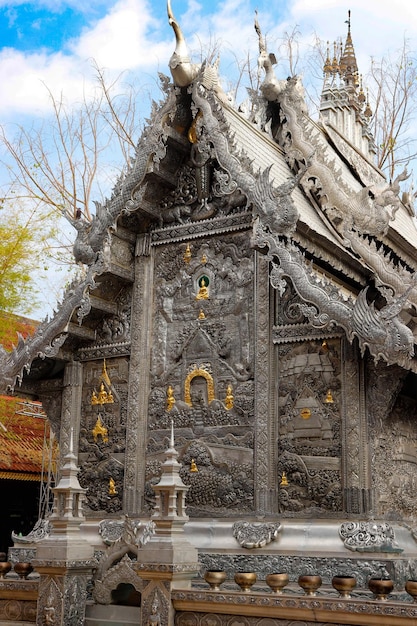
x=285 y=603
x=18 y=592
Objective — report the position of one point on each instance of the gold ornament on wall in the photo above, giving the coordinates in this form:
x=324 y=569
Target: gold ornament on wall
x=104 y=396
x=170 y=398
x=100 y=430
x=329 y=398
x=112 y=487
x=203 y=292
x=193 y=466
x=284 y=480
x=187 y=254
x=229 y=401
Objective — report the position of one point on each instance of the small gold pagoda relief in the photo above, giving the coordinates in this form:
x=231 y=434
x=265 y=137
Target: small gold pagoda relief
x=201 y=315
x=170 y=398
x=329 y=398
x=193 y=466
x=203 y=292
x=187 y=254
x=305 y=414
x=100 y=430
x=229 y=401
x=112 y=487
x=284 y=480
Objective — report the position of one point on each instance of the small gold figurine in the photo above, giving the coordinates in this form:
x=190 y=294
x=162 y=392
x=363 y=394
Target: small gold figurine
x=284 y=480
x=187 y=254
x=170 y=398
x=112 y=487
x=100 y=430
x=193 y=466
x=329 y=398
x=203 y=292
x=204 y=259
x=201 y=315
x=229 y=401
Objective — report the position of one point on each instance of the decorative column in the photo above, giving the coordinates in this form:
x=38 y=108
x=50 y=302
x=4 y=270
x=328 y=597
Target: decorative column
x=64 y=560
x=356 y=453
x=168 y=560
x=265 y=435
x=71 y=407
x=139 y=373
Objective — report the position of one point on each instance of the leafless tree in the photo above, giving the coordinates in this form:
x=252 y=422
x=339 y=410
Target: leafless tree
x=57 y=162
x=392 y=85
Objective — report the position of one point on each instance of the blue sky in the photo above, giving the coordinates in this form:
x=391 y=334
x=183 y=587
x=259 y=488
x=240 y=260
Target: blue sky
x=53 y=42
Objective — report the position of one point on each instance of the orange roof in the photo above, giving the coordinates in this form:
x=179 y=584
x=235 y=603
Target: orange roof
x=21 y=438
x=11 y=325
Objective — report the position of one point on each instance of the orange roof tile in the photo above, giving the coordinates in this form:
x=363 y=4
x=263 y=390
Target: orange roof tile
x=21 y=438
x=11 y=325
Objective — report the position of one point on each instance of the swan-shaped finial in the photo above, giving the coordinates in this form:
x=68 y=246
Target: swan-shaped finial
x=182 y=70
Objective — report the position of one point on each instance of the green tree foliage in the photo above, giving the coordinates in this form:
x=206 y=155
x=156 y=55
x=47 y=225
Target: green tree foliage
x=24 y=243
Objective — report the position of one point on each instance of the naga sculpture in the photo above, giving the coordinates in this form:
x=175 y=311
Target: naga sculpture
x=382 y=331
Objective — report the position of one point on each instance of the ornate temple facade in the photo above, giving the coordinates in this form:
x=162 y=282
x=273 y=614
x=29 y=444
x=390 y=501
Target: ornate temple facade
x=233 y=381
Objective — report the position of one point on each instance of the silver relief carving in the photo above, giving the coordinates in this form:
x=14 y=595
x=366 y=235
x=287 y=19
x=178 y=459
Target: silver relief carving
x=255 y=535
x=369 y=537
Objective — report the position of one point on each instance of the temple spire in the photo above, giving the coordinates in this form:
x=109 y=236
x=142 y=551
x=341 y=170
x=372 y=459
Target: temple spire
x=343 y=103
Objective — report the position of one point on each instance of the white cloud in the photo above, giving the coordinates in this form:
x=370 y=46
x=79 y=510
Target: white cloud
x=26 y=78
x=120 y=40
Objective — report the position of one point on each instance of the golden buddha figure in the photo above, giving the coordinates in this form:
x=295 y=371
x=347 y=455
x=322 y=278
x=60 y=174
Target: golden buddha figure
x=203 y=292
x=193 y=466
x=102 y=395
x=229 y=401
x=170 y=398
x=187 y=254
x=112 y=487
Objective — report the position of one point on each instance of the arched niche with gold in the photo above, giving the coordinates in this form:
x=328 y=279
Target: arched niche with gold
x=203 y=284
x=208 y=385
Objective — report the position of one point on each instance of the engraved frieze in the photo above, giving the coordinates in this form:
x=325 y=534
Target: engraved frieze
x=202 y=366
x=394 y=445
x=309 y=445
x=102 y=439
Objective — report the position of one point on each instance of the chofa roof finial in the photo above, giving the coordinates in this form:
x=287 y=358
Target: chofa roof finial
x=182 y=70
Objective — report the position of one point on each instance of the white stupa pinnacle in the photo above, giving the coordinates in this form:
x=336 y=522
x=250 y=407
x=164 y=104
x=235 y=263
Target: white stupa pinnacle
x=172 y=442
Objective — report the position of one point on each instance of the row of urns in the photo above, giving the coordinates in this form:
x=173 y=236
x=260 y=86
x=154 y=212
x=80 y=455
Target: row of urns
x=380 y=587
x=22 y=569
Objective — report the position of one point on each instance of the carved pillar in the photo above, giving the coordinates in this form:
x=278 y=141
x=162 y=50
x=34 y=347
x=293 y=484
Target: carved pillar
x=71 y=407
x=356 y=452
x=139 y=373
x=264 y=453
